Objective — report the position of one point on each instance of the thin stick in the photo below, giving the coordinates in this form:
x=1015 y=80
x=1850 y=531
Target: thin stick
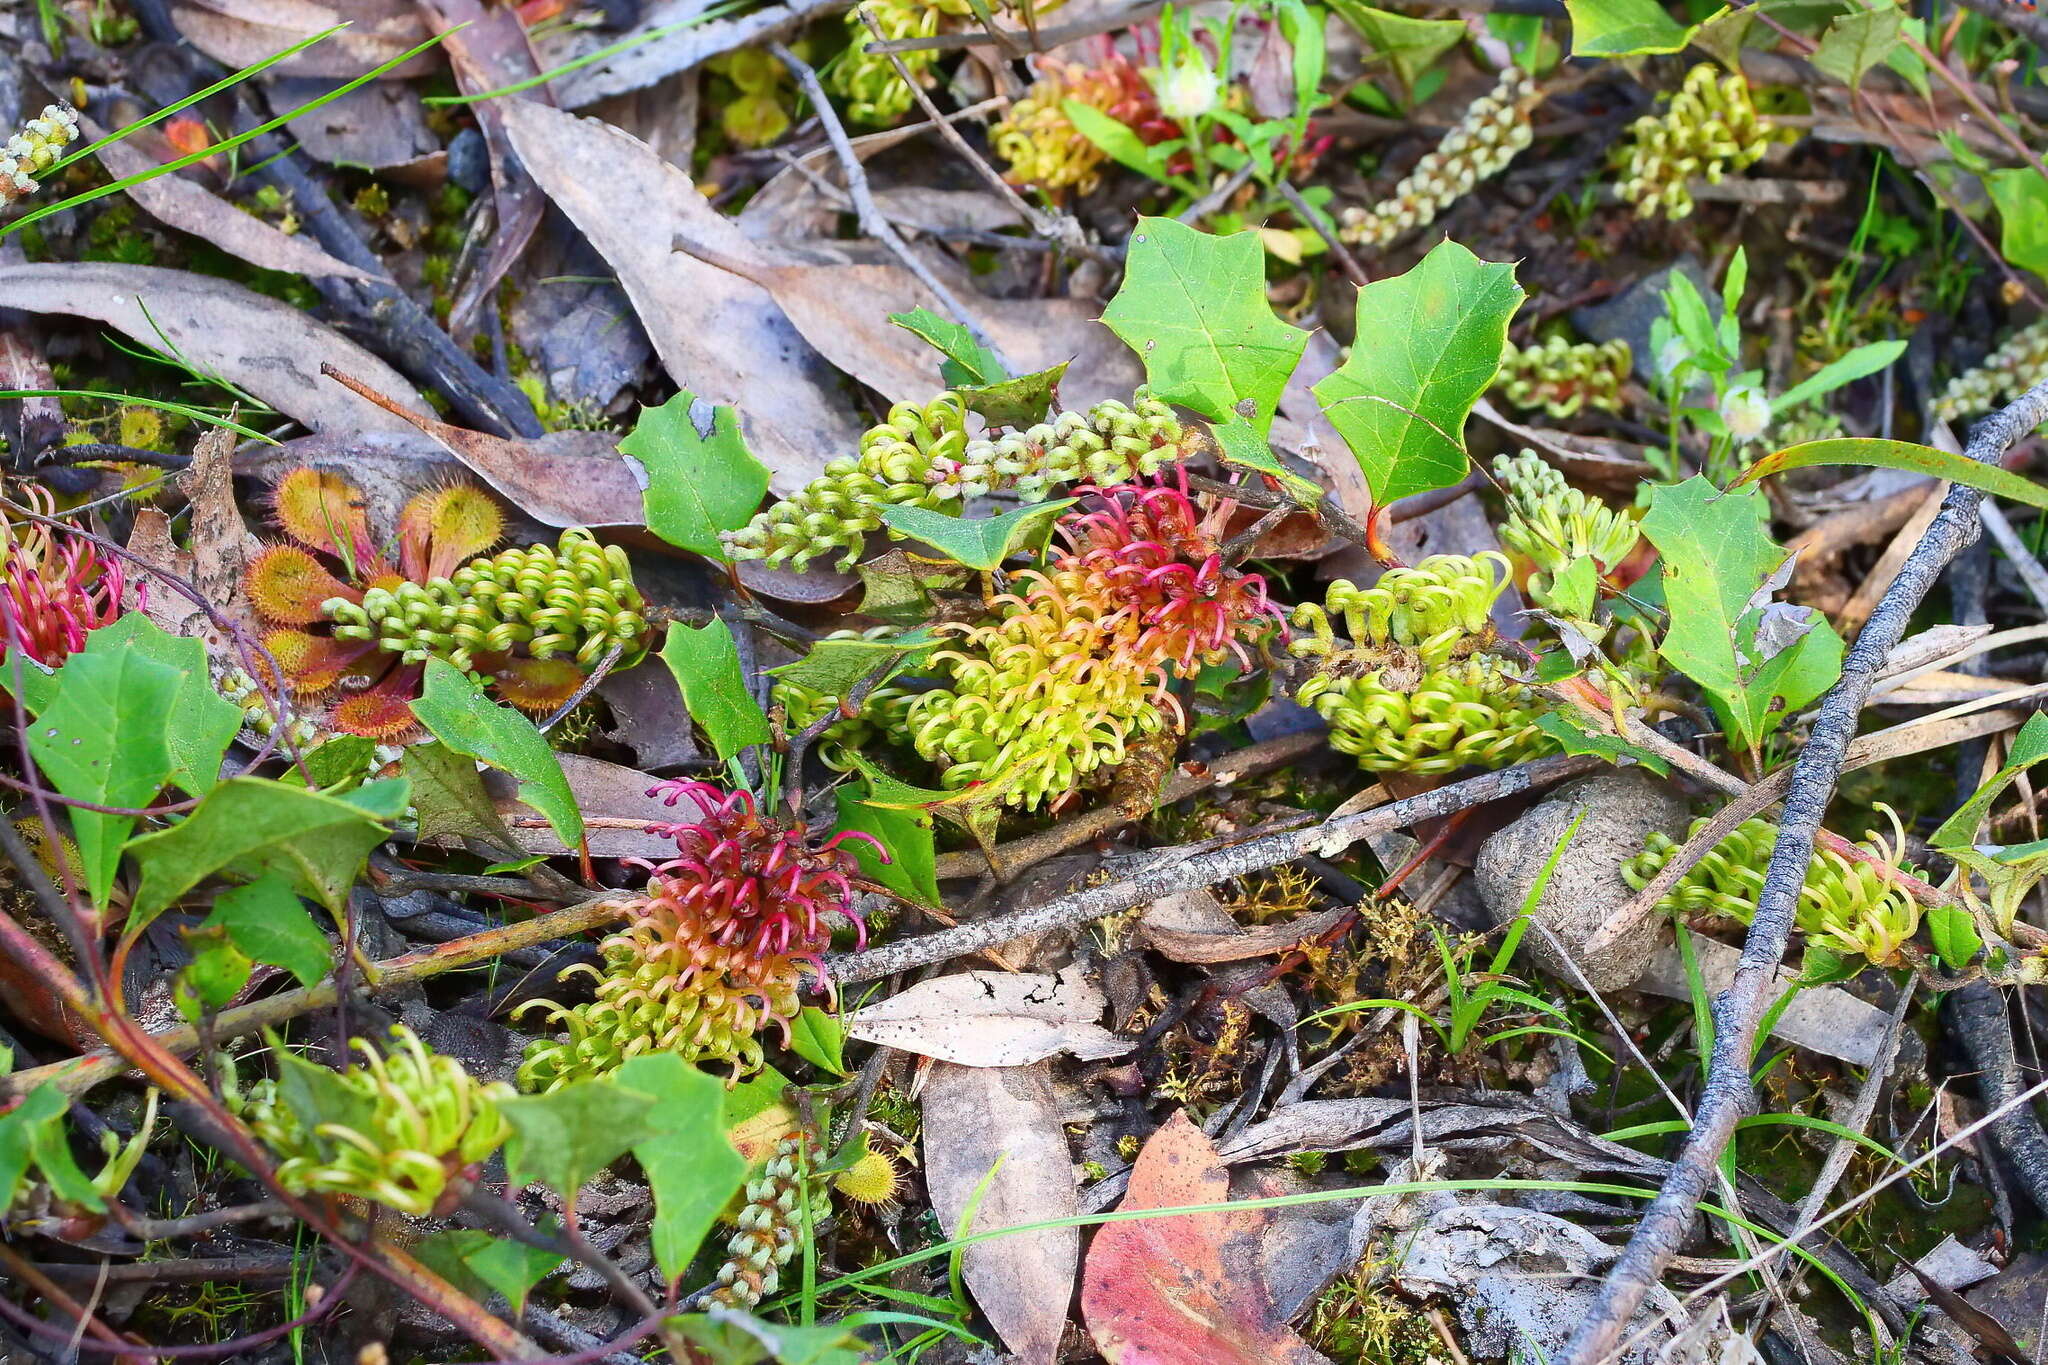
x=1728 y=1093
x=1327 y=230
x=872 y=220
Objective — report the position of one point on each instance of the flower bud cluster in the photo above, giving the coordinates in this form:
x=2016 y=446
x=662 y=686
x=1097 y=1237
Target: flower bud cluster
x=1710 y=129
x=1493 y=130
x=1553 y=523
x=35 y=149
x=875 y=95
x=2016 y=366
x=1561 y=378
x=770 y=1224
x=1041 y=145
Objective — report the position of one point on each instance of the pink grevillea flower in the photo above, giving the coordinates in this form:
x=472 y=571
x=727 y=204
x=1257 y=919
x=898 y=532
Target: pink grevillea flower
x=56 y=589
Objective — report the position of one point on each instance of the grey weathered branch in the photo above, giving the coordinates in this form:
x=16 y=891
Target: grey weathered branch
x=1728 y=1094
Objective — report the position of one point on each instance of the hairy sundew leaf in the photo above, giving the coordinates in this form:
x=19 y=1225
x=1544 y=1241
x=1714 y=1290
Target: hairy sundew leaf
x=454 y=707
x=690 y=1163
x=1436 y=338
x=699 y=476
x=978 y=542
x=267 y=920
x=706 y=664
x=964 y=361
x=1193 y=306
x=1881 y=454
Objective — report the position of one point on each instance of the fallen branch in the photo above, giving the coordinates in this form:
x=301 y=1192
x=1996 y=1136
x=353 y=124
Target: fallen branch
x=1728 y=1094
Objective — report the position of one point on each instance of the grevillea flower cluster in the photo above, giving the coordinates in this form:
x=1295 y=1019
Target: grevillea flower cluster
x=2019 y=363
x=530 y=621
x=1561 y=377
x=923 y=457
x=1411 y=685
x=405 y=1127
x=714 y=952
x=1553 y=523
x=56 y=585
x=1041 y=145
x=874 y=93
x=1078 y=660
x=1847 y=905
x=35 y=149
x=1710 y=129
x=1492 y=132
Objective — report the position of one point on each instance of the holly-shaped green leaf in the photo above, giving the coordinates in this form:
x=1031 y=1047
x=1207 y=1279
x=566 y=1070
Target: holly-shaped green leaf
x=1193 y=306
x=201 y=722
x=563 y=1138
x=820 y=1039
x=2022 y=199
x=449 y=799
x=834 y=667
x=1410 y=46
x=706 y=664
x=690 y=1164
x=1014 y=402
x=267 y=921
x=964 y=361
x=1857 y=41
x=1625 y=28
x=978 y=542
x=479 y=1263
x=455 y=708
x=32 y=1138
x=1429 y=344
x=699 y=476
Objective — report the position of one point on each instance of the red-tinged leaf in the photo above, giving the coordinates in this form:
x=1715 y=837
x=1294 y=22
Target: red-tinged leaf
x=1184 y=1289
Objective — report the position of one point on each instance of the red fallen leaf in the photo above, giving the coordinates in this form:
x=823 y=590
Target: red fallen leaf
x=1186 y=1289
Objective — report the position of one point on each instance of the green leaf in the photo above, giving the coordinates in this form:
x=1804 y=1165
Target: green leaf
x=1241 y=443
x=217 y=971
x=102 y=741
x=906 y=836
x=899 y=588
x=250 y=826
x=454 y=707
x=700 y=478
x=736 y=1338
x=1722 y=36
x=2022 y=199
x=266 y=920
x=343 y=760
x=1116 y=141
x=1014 y=402
x=819 y=1039
x=1880 y=454
x=1823 y=966
x=1436 y=335
x=1410 y=46
x=1953 y=932
x=565 y=1137
x=690 y=1163
x=1193 y=306
x=975 y=809
x=201 y=722
x=835 y=667
x=706 y=664
x=1625 y=28
x=2029 y=747
x=966 y=361
x=1857 y=41
x=318 y=1097
x=33 y=1126
x=978 y=542
x=449 y=799
x=1864 y=360
x=1719 y=566
x=479 y=1263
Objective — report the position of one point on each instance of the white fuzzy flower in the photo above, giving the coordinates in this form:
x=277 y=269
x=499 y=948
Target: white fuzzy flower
x=1186 y=90
x=1746 y=412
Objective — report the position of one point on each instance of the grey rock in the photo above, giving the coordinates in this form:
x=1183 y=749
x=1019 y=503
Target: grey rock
x=1622 y=808
x=1628 y=315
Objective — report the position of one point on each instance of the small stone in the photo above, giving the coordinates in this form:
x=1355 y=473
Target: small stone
x=1622 y=808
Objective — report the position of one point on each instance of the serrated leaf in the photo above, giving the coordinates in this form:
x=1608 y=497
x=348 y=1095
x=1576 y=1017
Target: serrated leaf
x=455 y=708
x=102 y=740
x=32 y=1138
x=1411 y=46
x=1437 y=334
x=690 y=1164
x=479 y=1263
x=250 y=826
x=1874 y=453
x=1193 y=306
x=341 y=760
x=906 y=836
x=819 y=1039
x=267 y=921
x=700 y=477
x=975 y=809
x=201 y=722
x=965 y=360
x=2022 y=199
x=449 y=799
x=1857 y=41
x=565 y=1137
x=217 y=971
x=898 y=588
x=1238 y=442
x=706 y=664
x=1716 y=556
x=1625 y=28
x=1015 y=402
x=977 y=542
x=835 y=667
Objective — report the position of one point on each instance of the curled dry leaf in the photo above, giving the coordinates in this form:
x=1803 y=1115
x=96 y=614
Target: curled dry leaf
x=1005 y=1119
x=719 y=336
x=616 y=811
x=992 y=1019
x=269 y=348
x=238 y=33
x=1192 y=927
x=190 y=207
x=1186 y=1289
x=564 y=478
x=640 y=61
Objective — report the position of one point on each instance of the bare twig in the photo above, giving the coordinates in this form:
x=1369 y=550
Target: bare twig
x=1327 y=230
x=1728 y=1094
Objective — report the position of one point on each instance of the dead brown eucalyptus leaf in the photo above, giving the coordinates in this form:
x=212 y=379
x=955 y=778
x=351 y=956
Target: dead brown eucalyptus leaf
x=992 y=1019
x=239 y=33
x=269 y=348
x=1005 y=1119
x=616 y=812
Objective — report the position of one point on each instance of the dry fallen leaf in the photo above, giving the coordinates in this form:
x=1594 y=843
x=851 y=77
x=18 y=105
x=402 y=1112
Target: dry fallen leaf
x=719 y=336
x=1194 y=927
x=269 y=348
x=616 y=812
x=992 y=1019
x=639 y=59
x=1185 y=1289
x=975 y=1117
x=239 y=33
